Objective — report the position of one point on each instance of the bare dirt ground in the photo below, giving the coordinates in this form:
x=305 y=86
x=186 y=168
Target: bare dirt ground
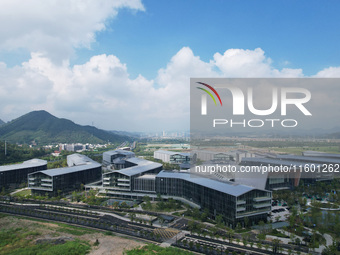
x=108 y=245
x=113 y=245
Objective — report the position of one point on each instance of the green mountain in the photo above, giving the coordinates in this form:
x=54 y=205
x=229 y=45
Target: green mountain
x=1 y=122
x=44 y=128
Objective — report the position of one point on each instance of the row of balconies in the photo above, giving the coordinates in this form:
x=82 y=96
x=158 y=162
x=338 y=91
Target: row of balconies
x=245 y=213
x=262 y=205
x=46 y=180
x=47 y=184
x=124 y=184
x=123 y=180
x=261 y=199
x=240 y=209
x=241 y=202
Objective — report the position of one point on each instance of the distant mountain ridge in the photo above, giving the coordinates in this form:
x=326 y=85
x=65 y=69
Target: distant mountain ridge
x=1 y=122
x=44 y=128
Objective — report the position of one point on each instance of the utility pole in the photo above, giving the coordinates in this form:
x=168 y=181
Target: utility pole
x=5 y=148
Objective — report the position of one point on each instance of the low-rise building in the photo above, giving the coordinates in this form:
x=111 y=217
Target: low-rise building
x=14 y=175
x=172 y=157
x=80 y=170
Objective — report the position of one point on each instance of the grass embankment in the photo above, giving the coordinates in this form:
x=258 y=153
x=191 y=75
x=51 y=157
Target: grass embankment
x=18 y=241
x=23 y=193
x=154 y=249
x=19 y=235
x=298 y=150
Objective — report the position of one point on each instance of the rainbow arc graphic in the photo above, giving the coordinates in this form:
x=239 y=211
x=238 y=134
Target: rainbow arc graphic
x=209 y=93
x=204 y=97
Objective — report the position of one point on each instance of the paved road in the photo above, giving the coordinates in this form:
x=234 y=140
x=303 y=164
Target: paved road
x=329 y=241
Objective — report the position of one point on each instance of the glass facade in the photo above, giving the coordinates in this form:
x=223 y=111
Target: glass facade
x=17 y=174
x=42 y=182
x=145 y=184
x=233 y=208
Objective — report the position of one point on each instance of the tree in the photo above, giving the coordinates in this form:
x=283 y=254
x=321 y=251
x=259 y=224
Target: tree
x=3 y=191
x=196 y=213
x=205 y=214
x=276 y=243
x=266 y=246
x=238 y=227
x=261 y=237
x=132 y=216
x=262 y=226
x=219 y=221
x=147 y=198
x=199 y=228
x=231 y=235
x=96 y=243
x=297 y=241
x=198 y=246
x=59 y=193
x=115 y=204
x=246 y=222
x=191 y=226
x=123 y=205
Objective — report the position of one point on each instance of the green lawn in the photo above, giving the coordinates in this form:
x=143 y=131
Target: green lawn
x=154 y=249
x=18 y=241
x=299 y=150
x=26 y=192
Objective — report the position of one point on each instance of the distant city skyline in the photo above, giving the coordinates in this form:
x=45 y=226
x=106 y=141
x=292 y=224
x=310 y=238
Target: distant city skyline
x=126 y=65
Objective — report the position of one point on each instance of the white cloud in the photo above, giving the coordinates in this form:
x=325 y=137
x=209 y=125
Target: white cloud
x=102 y=91
x=56 y=27
x=249 y=64
x=330 y=72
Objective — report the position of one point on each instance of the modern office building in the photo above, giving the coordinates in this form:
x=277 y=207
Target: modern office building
x=233 y=201
x=125 y=179
x=14 y=175
x=80 y=170
x=172 y=157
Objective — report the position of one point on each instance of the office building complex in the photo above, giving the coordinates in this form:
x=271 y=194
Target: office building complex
x=80 y=170
x=14 y=175
x=140 y=177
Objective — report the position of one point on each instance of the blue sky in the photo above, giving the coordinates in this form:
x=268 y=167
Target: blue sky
x=125 y=65
x=304 y=33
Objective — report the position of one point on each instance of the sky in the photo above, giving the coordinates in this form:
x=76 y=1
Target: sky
x=126 y=64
